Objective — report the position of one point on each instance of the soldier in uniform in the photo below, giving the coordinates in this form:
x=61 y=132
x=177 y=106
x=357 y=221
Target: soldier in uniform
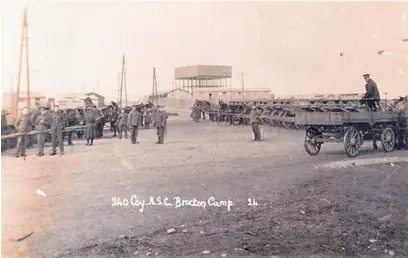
x=42 y=123
x=122 y=124
x=161 y=124
x=134 y=120
x=89 y=120
x=196 y=113
x=23 y=125
x=58 y=123
x=254 y=120
x=219 y=113
x=148 y=118
x=372 y=96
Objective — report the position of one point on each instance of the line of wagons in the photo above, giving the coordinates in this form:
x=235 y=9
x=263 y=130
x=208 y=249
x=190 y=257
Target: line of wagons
x=280 y=113
x=341 y=121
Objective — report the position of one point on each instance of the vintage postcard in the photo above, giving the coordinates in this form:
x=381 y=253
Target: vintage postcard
x=204 y=128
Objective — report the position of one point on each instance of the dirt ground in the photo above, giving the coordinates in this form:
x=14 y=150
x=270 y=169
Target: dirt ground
x=304 y=208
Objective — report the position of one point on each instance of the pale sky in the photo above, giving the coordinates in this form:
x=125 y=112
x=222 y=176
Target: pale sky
x=292 y=48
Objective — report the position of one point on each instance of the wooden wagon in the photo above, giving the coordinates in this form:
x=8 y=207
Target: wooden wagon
x=353 y=128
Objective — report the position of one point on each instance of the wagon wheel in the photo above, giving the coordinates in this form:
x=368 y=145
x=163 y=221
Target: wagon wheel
x=352 y=142
x=264 y=120
x=298 y=127
x=388 y=139
x=283 y=123
x=311 y=146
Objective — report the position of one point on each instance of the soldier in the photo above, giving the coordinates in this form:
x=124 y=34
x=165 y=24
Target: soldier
x=134 y=120
x=196 y=113
x=58 y=123
x=219 y=113
x=99 y=122
x=254 y=120
x=148 y=118
x=122 y=124
x=372 y=96
x=153 y=113
x=42 y=123
x=89 y=120
x=161 y=124
x=23 y=125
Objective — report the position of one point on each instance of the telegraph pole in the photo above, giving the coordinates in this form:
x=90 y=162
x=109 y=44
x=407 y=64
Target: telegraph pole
x=154 y=90
x=24 y=44
x=243 y=90
x=123 y=83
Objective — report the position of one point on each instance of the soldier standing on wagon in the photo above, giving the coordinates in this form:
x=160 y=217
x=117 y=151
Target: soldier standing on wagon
x=59 y=121
x=254 y=120
x=42 y=124
x=161 y=124
x=372 y=96
x=134 y=120
x=23 y=125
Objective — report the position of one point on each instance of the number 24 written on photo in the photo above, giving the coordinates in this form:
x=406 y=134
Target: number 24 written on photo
x=252 y=202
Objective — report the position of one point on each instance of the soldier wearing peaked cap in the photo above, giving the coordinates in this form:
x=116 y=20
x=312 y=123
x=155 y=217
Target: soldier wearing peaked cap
x=134 y=121
x=89 y=120
x=161 y=124
x=372 y=96
x=59 y=120
x=23 y=125
x=42 y=123
x=254 y=120
x=121 y=124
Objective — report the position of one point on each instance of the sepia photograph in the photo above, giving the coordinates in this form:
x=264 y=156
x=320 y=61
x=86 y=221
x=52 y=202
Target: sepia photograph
x=204 y=128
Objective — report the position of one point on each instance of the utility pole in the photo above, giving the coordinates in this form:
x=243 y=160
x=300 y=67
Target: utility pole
x=154 y=90
x=123 y=83
x=24 y=44
x=243 y=89
x=117 y=100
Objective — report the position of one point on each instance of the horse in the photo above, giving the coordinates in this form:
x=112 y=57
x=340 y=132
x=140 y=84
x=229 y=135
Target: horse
x=75 y=117
x=110 y=115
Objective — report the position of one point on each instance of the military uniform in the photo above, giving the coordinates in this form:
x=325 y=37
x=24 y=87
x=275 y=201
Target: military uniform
x=122 y=124
x=196 y=113
x=42 y=123
x=90 y=131
x=134 y=120
x=372 y=96
x=161 y=124
x=58 y=123
x=255 y=123
x=148 y=119
x=24 y=125
x=219 y=114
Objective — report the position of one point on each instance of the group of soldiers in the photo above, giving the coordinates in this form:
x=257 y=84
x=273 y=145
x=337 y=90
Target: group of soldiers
x=138 y=117
x=55 y=122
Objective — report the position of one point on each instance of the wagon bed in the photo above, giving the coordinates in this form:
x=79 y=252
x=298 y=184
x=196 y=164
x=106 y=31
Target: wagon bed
x=352 y=128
